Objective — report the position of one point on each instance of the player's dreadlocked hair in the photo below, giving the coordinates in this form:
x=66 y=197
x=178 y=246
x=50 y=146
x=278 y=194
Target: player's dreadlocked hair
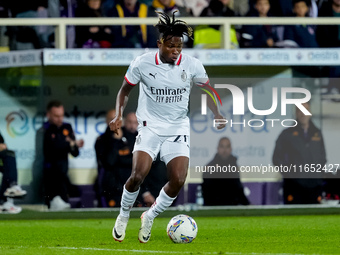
x=173 y=27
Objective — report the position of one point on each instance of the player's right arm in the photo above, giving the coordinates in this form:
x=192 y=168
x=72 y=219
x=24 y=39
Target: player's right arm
x=121 y=101
x=132 y=77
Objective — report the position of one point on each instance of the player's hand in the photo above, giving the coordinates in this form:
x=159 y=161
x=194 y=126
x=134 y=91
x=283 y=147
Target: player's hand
x=116 y=124
x=222 y=124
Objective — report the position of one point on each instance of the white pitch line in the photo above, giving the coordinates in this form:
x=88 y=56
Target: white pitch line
x=135 y=251
x=168 y=252
x=152 y=251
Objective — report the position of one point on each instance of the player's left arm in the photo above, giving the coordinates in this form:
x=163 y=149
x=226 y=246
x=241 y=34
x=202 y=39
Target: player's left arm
x=201 y=73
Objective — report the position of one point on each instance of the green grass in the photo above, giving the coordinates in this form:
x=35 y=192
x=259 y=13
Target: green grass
x=308 y=234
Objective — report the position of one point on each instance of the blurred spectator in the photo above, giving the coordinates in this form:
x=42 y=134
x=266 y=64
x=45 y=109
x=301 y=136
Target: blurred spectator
x=114 y=158
x=107 y=7
x=3 y=14
x=195 y=6
x=210 y=36
x=313 y=8
x=281 y=8
x=92 y=36
x=301 y=146
x=259 y=36
x=132 y=36
x=9 y=188
x=240 y=7
x=20 y=7
x=219 y=188
x=328 y=36
x=154 y=182
x=218 y=8
x=111 y=168
x=320 y=3
x=62 y=8
x=302 y=35
x=169 y=7
x=37 y=183
x=157 y=176
x=26 y=37
x=3 y=9
x=59 y=141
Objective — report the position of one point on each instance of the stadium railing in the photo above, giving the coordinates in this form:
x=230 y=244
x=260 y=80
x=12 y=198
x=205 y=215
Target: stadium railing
x=226 y=23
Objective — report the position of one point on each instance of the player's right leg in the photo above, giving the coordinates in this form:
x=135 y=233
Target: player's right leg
x=141 y=165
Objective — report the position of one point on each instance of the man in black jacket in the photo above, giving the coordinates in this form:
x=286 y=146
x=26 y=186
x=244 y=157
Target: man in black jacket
x=302 y=145
x=219 y=188
x=59 y=141
x=114 y=158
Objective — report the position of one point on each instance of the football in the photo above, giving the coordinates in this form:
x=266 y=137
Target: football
x=182 y=229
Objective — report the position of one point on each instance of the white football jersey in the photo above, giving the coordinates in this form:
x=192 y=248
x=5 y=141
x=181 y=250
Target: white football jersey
x=164 y=91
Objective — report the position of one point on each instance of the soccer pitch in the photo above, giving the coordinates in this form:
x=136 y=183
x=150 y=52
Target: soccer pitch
x=90 y=233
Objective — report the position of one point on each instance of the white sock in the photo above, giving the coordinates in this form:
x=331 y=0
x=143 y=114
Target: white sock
x=163 y=201
x=128 y=199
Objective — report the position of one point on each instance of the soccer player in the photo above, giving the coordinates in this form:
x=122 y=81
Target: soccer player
x=164 y=79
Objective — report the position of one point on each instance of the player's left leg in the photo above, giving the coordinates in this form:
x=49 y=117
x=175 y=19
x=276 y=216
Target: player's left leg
x=177 y=171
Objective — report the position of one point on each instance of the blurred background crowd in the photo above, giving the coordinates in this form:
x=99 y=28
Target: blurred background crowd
x=141 y=36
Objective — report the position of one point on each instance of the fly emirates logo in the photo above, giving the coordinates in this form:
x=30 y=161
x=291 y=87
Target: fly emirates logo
x=168 y=95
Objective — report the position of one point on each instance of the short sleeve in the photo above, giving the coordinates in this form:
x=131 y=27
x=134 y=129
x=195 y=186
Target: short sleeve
x=133 y=75
x=199 y=71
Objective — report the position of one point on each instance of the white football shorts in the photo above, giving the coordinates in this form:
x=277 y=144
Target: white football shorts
x=169 y=147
